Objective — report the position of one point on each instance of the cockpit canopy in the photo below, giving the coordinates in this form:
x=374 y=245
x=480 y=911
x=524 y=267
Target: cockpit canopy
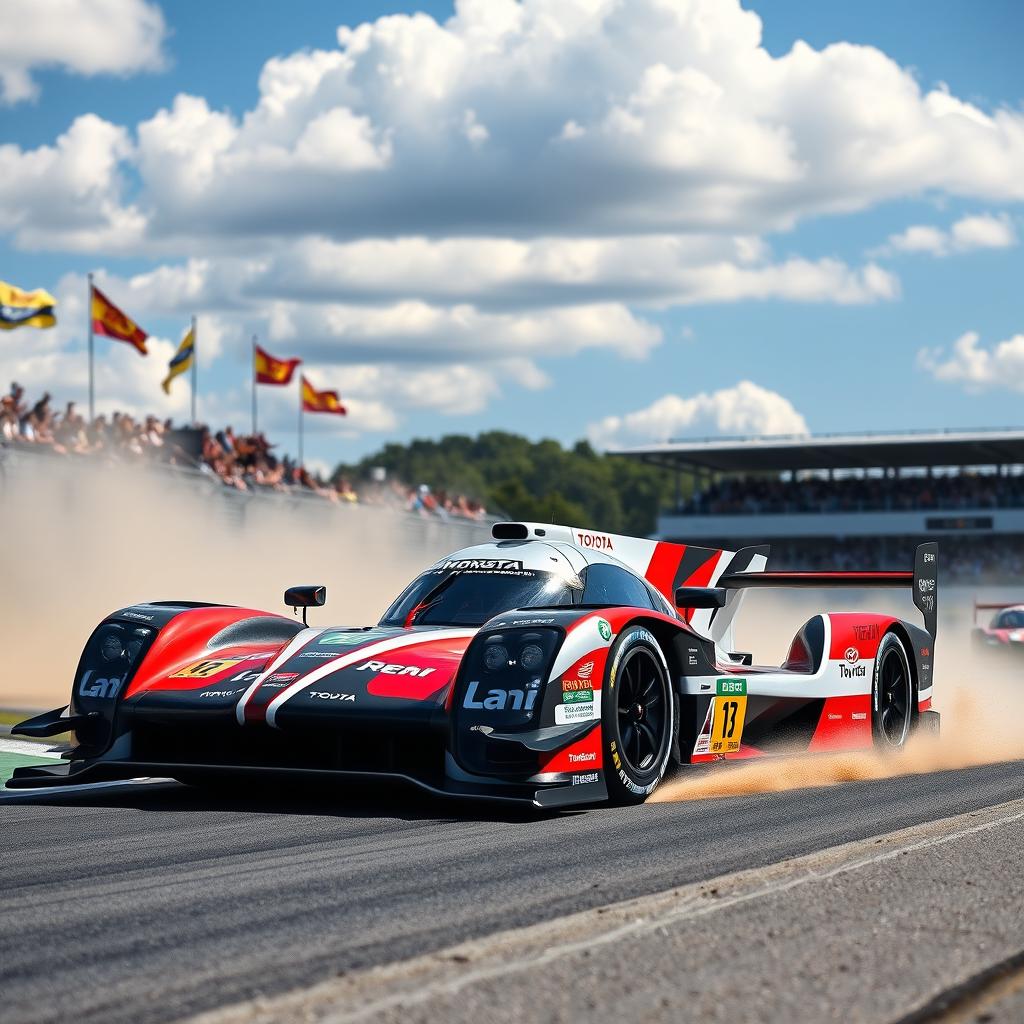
x=476 y=584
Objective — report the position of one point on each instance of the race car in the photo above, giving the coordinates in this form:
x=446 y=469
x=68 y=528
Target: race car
x=1005 y=633
x=552 y=665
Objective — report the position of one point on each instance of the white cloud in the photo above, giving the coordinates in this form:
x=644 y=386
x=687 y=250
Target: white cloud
x=414 y=331
x=746 y=409
x=69 y=195
x=978 y=369
x=559 y=117
x=982 y=231
x=88 y=37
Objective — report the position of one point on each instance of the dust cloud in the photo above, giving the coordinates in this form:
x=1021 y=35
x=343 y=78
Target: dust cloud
x=980 y=697
x=81 y=541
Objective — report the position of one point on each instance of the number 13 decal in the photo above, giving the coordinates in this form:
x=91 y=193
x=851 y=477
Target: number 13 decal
x=727 y=724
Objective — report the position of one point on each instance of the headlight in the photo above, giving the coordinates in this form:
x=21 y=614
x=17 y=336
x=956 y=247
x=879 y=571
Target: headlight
x=111 y=648
x=495 y=657
x=531 y=657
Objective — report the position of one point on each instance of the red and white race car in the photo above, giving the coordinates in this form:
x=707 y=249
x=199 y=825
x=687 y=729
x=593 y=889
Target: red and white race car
x=553 y=665
x=1006 y=630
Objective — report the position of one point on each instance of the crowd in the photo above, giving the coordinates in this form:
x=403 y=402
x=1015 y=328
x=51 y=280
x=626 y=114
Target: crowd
x=242 y=462
x=770 y=495
x=426 y=502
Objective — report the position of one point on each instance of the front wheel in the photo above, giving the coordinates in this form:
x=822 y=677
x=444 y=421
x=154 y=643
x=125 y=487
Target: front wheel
x=892 y=695
x=638 y=717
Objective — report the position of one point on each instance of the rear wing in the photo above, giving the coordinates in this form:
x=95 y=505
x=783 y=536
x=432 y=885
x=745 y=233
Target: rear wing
x=923 y=581
x=998 y=606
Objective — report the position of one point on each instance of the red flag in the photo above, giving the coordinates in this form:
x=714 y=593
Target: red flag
x=321 y=401
x=270 y=370
x=109 y=321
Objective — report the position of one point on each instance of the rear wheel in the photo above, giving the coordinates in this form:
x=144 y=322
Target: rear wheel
x=638 y=717
x=892 y=695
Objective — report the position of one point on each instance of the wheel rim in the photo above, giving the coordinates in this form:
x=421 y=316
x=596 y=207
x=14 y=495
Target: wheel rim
x=642 y=711
x=893 y=698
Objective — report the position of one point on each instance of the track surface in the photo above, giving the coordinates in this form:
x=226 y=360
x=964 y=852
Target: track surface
x=154 y=905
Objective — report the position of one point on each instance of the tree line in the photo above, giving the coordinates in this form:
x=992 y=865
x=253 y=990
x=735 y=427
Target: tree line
x=538 y=481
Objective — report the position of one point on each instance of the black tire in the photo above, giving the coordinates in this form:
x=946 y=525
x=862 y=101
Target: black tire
x=892 y=695
x=638 y=717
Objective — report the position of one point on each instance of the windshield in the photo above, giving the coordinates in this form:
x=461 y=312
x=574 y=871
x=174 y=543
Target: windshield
x=1010 y=620
x=470 y=596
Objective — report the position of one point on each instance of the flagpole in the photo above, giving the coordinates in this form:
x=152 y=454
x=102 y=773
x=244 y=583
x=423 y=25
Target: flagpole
x=195 y=371
x=301 y=422
x=92 y=389
x=253 y=368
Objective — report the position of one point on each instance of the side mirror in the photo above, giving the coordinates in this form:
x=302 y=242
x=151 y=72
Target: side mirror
x=700 y=597
x=305 y=597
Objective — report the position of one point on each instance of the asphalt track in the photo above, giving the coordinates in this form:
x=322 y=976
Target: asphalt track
x=159 y=903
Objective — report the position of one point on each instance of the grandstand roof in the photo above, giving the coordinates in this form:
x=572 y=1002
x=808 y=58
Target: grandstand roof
x=838 y=451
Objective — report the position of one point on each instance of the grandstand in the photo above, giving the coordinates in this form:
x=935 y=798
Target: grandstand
x=853 y=499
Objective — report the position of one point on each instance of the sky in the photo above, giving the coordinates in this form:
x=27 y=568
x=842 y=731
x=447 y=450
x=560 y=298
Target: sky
x=621 y=220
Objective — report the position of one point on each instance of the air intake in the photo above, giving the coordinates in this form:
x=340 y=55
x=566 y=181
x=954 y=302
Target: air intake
x=510 y=531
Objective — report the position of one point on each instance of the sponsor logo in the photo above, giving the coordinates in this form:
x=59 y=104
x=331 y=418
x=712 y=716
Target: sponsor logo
x=705 y=686
x=929 y=557
x=578 y=758
x=586 y=670
x=99 y=687
x=691 y=657
x=576 y=684
x=349 y=638
x=205 y=669
x=859 y=716
x=604 y=629
x=480 y=565
x=497 y=699
x=577 y=696
x=852 y=655
x=282 y=677
x=389 y=669
x=867 y=632
x=925 y=652
x=319 y=654
x=928 y=602
x=137 y=615
x=248 y=676
x=852 y=671
x=732 y=687
x=926 y=586
x=584 y=777
x=598 y=541
x=834 y=718
x=532 y=622
x=221 y=693
x=324 y=695
x=579 y=709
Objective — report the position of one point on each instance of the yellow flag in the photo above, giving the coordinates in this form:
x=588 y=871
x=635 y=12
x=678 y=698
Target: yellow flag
x=25 y=309
x=181 y=361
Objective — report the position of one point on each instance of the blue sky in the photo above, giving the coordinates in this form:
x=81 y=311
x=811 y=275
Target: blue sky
x=643 y=225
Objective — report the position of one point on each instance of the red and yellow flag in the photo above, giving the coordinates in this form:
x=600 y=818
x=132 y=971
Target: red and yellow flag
x=321 y=401
x=109 y=321
x=272 y=371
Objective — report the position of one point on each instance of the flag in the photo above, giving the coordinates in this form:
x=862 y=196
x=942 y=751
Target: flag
x=109 y=321
x=273 y=371
x=181 y=361
x=25 y=309
x=321 y=401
